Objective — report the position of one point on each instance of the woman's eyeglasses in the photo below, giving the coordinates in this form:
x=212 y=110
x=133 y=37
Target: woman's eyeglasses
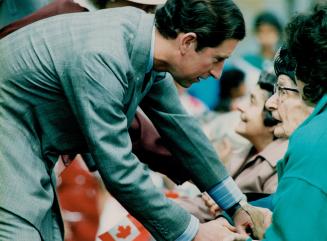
x=281 y=91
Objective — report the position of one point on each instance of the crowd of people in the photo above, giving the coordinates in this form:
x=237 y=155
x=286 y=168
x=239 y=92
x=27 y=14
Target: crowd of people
x=94 y=114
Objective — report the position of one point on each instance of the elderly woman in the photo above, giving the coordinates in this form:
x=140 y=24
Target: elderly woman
x=300 y=104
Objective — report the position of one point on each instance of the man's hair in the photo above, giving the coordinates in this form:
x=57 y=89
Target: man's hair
x=266 y=82
x=307 y=42
x=213 y=21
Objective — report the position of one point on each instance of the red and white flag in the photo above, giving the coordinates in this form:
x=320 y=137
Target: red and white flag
x=128 y=229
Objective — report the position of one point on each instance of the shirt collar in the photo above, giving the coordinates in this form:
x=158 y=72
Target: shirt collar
x=272 y=153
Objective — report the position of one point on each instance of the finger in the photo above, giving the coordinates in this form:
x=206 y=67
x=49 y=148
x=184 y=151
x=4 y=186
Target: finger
x=226 y=224
x=230 y=238
x=236 y=237
x=230 y=227
x=211 y=203
x=214 y=210
x=204 y=197
x=243 y=229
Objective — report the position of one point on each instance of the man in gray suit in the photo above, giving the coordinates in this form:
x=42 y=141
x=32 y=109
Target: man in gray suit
x=72 y=83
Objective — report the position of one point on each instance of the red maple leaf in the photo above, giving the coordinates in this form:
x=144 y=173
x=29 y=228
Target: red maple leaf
x=123 y=232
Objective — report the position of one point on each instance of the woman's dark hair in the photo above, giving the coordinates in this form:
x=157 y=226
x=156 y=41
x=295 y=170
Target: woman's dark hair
x=284 y=63
x=230 y=79
x=307 y=42
x=269 y=19
x=213 y=21
x=266 y=81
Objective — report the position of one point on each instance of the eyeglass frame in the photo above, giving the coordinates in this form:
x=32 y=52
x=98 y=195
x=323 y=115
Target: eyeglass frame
x=278 y=88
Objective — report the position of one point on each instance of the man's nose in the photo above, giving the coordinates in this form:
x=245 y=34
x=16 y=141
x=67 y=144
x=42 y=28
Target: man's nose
x=217 y=69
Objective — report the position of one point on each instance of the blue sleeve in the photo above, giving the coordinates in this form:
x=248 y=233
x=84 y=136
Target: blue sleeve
x=299 y=214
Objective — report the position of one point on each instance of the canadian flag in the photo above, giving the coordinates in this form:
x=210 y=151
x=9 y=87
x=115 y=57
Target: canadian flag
x=128 y=229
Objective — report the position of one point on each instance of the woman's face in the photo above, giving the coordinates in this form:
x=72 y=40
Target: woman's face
x=287 y=106
x=251 y=124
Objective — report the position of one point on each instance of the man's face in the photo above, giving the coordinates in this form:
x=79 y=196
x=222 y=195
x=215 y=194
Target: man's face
x=193 y=65
x=287 y=106
x=251 y=119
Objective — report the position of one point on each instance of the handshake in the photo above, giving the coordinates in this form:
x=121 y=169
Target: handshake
x=249 y=221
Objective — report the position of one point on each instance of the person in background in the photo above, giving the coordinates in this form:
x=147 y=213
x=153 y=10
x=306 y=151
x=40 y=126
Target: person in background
x=268 y=32
x=13 y=10
x=206 y=91
x=232 y=87
x=57 y=7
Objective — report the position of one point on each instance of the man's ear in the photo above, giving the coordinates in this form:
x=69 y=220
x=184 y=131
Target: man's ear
x=187 y=42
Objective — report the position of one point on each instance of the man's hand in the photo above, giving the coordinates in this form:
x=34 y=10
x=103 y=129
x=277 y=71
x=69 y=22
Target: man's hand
x=216 y=230
x=255 y=218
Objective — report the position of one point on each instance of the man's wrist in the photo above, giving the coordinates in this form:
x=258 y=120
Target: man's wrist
x=190 y=231
x=232 y=210
x=226 y=194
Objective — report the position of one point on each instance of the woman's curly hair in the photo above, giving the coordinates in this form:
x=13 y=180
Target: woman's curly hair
x=307 y=43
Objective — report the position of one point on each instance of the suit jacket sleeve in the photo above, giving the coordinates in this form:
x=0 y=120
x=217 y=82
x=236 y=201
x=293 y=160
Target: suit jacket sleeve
x=96 y=94
x=150 y=149
x=182 y=134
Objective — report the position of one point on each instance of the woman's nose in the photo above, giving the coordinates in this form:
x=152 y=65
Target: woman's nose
x=271 y=103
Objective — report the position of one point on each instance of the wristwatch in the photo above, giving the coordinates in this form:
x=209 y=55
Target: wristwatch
x=232 y=210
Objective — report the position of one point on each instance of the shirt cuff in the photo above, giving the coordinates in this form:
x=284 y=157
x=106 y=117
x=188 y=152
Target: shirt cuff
x=226 y=193
x=249 y=239
x=190 y=231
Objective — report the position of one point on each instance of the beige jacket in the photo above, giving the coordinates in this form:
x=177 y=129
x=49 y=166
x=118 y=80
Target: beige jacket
x=257 y=174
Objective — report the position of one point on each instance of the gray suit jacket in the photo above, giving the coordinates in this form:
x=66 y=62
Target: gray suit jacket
x=71 y=84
